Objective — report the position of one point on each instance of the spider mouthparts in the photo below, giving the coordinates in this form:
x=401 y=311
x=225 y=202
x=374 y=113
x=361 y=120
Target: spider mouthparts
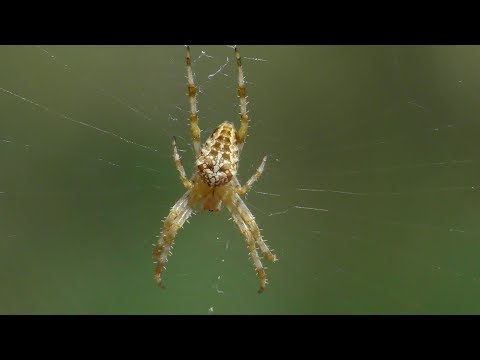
x=261 y=290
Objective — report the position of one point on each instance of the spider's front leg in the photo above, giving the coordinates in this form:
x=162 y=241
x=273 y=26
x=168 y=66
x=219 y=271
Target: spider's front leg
x=179 y=213
x=248 y=217
x=245 y=221
x=232 y=201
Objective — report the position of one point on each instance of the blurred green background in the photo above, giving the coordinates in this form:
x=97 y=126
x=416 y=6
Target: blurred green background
x=370 y=196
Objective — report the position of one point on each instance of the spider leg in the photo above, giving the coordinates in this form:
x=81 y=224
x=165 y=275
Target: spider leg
x=179 y=213
x=244 y=229
x=245 y=188
x=249 y=219
x=178 y=163
x=242 y=95
x=192 y=94
x=249 y=228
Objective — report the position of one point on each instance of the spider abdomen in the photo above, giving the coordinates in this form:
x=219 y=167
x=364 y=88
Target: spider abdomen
x=218 y=161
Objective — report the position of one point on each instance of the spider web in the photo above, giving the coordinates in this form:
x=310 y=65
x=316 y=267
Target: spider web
x=369 y=196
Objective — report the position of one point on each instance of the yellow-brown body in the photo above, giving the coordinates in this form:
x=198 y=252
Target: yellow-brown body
x=218 y=161
x=215 y=181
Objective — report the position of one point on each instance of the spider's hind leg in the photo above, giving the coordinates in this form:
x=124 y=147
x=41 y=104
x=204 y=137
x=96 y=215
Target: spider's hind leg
x=192 y=95
x=178 y=163
x=242 y=95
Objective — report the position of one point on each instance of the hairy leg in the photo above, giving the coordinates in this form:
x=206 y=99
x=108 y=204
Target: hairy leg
x=249 y=229
x=179 y=213
x=245 y=188
x=192 y=94
x=242 y=95
x=178 y=163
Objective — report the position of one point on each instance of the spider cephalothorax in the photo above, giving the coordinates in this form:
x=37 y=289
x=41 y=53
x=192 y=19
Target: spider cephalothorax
x=215 y=181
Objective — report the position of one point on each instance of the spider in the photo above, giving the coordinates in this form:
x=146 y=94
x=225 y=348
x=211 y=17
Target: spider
x=215 y=181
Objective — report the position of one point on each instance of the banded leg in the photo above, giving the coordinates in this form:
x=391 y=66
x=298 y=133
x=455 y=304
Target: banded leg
x=192 y=94
x=245 y=188
x=252 y=250
x=178 y=163
x=249 y=219
x=180 y=212
x=242 y=95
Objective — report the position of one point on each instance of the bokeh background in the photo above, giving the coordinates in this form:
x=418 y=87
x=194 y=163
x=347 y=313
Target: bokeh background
x=370 y=196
